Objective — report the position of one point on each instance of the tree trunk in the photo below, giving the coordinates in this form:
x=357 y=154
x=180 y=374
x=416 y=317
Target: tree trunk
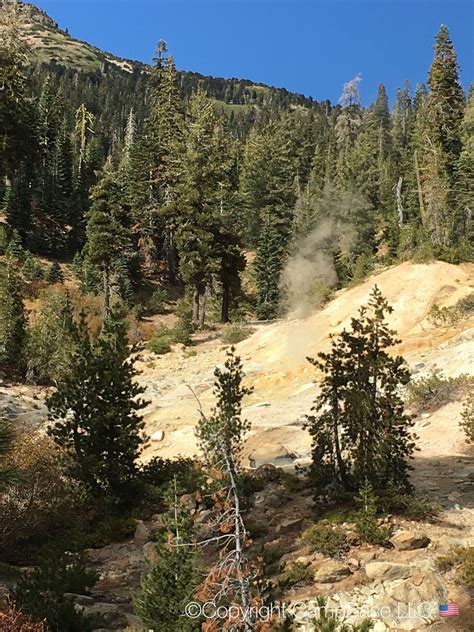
x=225 y=303
x=398 y=193
x=420 y=191
x=106 y=297
x=202 y=315
x=196 y=306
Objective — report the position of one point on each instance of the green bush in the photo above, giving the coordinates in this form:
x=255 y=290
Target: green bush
x=161 y=341
x=159 y=472
x=461 y=557
x=409 y=506
x=236 y=332
x=467 y=418
x=326 y=539
x=40 y=593
x=435 y=390
x=449 y=316
x=365 y=518
x=157 y=301
x=295 y=574
x=111 y=529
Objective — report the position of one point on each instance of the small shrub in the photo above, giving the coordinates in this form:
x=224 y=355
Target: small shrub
x=160 y=472
x=41 y=592
x=13 y=620
x=449 y=316
x=411 y=507
x=236 y=332
x=112 y=529
x=366 y=517
x=42 y=502
x=157 y=301
x=54 y=274
x=435 y=390
x=161 y=341
x=295 y=574
x=327 y=539
x=467 y=418
x=461 y=557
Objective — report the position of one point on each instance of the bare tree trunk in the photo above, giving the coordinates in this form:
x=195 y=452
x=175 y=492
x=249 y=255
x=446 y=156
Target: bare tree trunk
x=398 y=193
x=196 y=306
x=106 y=297
x=420 y=191
x=225 y=303
x=202 y=315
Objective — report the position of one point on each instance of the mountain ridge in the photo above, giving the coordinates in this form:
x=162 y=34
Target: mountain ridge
x=52 y=44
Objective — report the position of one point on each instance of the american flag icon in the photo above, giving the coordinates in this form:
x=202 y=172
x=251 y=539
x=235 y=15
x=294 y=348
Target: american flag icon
x=448 y=610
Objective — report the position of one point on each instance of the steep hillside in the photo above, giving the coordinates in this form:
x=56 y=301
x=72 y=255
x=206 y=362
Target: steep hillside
x=275 y=360
x=54 y=46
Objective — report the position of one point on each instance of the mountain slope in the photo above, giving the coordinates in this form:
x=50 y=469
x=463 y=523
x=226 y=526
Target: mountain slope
x=52 y=45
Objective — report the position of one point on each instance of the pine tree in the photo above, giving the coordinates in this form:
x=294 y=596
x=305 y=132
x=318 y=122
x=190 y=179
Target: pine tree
x=95 y=413
x=464 y=177
x=8 y=475
x=12 y=319
x=54 y=274
x=441 y=142
x=204 y=171
x=109 y=238
x=172 y=579
x=269 y=263
x=359 y=427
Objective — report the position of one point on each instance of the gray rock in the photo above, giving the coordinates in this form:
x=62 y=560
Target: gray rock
x=387 y=570
x=142 y=533
x=409 y=540
x=332 y=571
x=150 y=552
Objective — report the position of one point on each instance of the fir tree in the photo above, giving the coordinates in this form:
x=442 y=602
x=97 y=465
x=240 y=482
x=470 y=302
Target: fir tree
x=54 y=274
x=360 y=429
x=269 y=263
x=109 y=238
x=8 y=475
x=95 y=413
x=12 y=319
x=172 y=579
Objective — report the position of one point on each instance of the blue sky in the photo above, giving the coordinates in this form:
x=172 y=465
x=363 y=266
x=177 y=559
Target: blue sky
x=307 y=46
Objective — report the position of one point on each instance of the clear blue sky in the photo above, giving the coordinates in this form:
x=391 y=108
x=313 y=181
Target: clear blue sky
x=307 y=46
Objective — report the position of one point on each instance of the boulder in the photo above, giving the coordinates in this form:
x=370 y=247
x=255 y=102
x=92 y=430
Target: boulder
x=158 y=435
x=409 y=540
x=142 y=533
x=289 y=525
x=387 y=570
x=150 y=552
x=331 y=571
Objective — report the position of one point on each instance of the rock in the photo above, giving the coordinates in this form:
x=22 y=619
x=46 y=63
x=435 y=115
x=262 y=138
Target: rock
x=409 y=540
x=387 y=570
x=150 y=552
x=290 y=525
x=332 y=571
x=82 y=600
x=142 y=533
x=353 y=563
x=379 y=626
x=158 y=435
x=108 y=612
x=188 y=501
x=270 y=454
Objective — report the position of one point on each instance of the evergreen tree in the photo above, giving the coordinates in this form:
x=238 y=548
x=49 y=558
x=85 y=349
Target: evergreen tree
x=109 y=238
x=55 y=274
x=464 y=177
x=204 y=174
x=269 y=263
x=171 y=581
x=12 y=319
x=441 y=142
x=8 y=474
x=360 y=430
x=95 y=413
